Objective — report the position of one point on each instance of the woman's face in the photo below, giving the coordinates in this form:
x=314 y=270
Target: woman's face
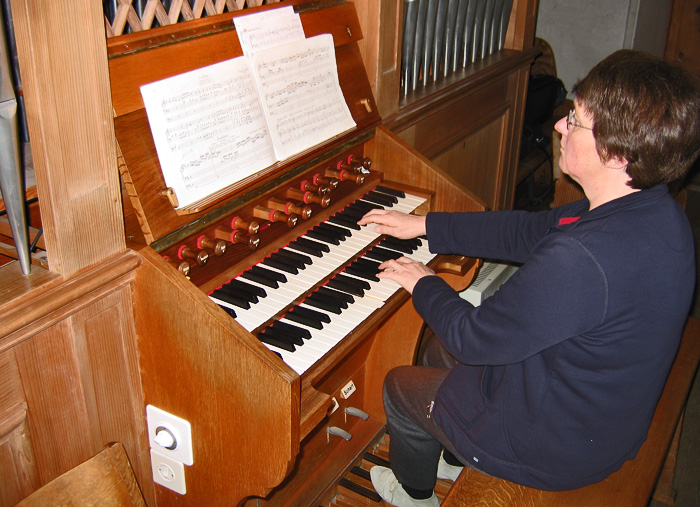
x=578 y=155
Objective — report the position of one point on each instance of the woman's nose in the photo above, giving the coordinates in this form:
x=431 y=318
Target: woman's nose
x=561 y=127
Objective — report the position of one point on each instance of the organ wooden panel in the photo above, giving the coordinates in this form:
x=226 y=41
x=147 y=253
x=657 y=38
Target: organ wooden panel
x=260 y=428
x=67 y=338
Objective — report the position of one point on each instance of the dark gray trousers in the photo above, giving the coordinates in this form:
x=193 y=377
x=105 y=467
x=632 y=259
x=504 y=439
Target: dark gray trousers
x=416 y=440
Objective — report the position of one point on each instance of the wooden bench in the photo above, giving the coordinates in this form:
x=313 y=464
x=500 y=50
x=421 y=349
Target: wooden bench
x=105 y=480
x=634 y=483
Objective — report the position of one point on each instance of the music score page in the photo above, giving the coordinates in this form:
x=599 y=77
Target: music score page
x=209 y=129
x=215 y=126
x=301 y=94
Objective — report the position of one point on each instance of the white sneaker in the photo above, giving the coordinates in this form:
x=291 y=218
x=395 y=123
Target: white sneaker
x=388 y=487
x=446 y=471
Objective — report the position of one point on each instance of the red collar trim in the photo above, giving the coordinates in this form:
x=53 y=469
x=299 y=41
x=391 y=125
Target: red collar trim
x=568 y=220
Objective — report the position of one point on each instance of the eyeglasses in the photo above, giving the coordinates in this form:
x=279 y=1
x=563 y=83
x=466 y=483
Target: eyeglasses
x=571 y=121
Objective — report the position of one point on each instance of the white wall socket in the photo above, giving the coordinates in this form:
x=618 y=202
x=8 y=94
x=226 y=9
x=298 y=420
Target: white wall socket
x=167 y=424
x=168 y=472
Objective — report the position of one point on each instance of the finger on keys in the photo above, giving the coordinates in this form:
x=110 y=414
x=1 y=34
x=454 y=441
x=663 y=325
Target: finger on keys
x=394 y=223
x=405 y=273
x=395 y=264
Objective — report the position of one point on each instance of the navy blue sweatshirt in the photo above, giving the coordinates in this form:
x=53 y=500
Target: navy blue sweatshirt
x=561 y=369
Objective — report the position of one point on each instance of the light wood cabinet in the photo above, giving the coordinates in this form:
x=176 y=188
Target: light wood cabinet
x=469 y=123
x=69 y=373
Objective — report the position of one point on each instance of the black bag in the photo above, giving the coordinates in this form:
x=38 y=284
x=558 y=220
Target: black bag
x=544 y=94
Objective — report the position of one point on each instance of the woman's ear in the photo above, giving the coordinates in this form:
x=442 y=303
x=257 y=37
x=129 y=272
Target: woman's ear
x=617 y=163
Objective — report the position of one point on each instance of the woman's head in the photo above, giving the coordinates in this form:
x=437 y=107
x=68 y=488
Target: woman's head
x=645 y=111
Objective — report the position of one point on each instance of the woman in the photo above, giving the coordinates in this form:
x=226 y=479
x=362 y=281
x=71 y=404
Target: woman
x=552 y=382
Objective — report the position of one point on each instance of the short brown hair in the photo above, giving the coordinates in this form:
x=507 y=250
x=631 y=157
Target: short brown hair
x=646 y=111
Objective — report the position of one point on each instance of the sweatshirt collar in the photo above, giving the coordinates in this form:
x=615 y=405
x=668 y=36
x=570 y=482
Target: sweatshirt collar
x=579 y=212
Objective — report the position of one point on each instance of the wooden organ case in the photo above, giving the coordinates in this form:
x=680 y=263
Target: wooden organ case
x=261 y=428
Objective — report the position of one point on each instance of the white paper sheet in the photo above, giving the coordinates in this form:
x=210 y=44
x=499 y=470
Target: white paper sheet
x=217 y=125
x=208 y=128
x=267 y=29
x=301 y=94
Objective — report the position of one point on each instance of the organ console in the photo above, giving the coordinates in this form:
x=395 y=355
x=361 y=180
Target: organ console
x=259 y=315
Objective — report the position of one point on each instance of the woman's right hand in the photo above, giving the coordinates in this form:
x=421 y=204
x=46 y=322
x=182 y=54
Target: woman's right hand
x=393 y=223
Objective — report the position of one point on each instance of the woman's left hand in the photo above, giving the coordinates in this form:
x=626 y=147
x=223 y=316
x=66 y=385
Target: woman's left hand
x=405 y=271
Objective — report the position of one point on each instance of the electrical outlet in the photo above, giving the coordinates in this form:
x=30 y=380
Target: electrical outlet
x=168 y=472
x=169 y=435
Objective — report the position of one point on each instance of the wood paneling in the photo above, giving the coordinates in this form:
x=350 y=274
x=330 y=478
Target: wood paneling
x=65 y=79
x=683 y=39
x=440 y=118
x=19 y=475
x=472 y=160
x=67 y=339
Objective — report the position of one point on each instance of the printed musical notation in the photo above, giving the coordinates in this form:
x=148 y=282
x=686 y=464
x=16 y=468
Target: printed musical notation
x=301 y=95
x=268 y=29
x=208 y=128
x=220 y=124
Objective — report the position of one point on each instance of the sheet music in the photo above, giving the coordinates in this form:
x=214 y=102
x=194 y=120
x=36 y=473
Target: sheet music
x=208 y=128
x=300 y=94
x=267 y=29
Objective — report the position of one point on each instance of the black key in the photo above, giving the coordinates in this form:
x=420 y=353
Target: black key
x=371 y=266
x=414 y=242
x=332 y=297
x=300 y=247
x=390 y=191
x=378 y=199
x=231 y=299
x=282 y=257
x=351 y=213
x=392 y=245
x=362 y=273
x=301 y=332
x=304 y=259
x=341 y=285
x=312 y=314
x=404 y=243
x=390 y=198
x=364 y=206
x=344 y=221
x=282 y=266
x=271 y=275
x=276 y=342
x=331 y=230
x=301 y=318
x=262 y=280
x=324 y=304
x=343 y=296
x=334 y=229
x=228 y=310
x=382 y=254
x=236 y=292
x=359 y=283
x=311 y=243
x=282 y=335
x=322 y=236
x=248 y=287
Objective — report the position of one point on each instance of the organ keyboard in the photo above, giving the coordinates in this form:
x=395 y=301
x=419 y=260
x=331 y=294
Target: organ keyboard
x=330 y=312
x=259 y=315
